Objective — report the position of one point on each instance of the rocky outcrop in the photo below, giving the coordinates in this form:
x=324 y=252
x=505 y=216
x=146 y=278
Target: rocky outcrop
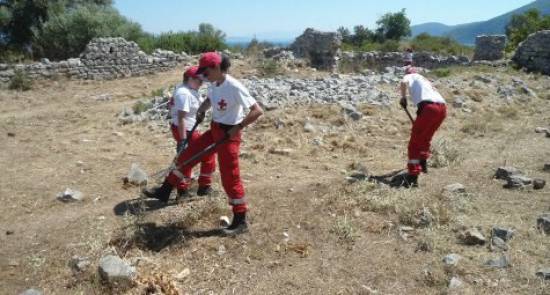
x=533 y=54
x=102 y=59
x=320 y=48
x=490 y=47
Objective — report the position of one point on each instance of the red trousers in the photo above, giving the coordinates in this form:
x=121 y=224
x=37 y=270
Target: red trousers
x=428 y=120
x=228 y=159
x=208 y=164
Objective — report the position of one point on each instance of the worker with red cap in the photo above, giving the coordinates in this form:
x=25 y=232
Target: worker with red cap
x=233 y=109
x=184 y=104
x=431 y=111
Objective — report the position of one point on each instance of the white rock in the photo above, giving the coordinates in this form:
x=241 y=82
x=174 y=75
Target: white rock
x=455 y=283
x=70 y=195
x=115 y=271
x=136 y=175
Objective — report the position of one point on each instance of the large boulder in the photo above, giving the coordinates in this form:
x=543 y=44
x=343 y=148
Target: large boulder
x=533 y=54
x=321 y=48
x=490 y=47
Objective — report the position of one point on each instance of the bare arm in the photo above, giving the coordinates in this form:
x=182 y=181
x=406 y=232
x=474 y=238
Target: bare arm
x=255 y=112
x=403 y=89
x=181 y=125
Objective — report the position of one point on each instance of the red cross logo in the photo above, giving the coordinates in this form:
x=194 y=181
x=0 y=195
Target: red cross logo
x=222 y=105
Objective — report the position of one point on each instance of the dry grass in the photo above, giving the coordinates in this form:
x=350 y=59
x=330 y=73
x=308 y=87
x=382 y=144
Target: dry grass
x=311 y=232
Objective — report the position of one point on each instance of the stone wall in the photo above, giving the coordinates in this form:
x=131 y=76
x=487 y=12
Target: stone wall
x=103 y=59
x=320 y=48
x=490 y=47
x=356 y=61
x=533 y=54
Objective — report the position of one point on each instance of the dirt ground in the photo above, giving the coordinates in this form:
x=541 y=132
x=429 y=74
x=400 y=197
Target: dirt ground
x=311 y=231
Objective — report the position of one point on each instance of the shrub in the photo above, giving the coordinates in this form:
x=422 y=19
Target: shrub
x=20 y=81
x=442 y=72
x=442 y=45
x=66 y=34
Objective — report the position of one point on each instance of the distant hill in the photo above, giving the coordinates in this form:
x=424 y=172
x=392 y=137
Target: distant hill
x=466 y=33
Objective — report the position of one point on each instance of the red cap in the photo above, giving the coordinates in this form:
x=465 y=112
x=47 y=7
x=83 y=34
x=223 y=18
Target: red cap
x=209 y=60
x=192 y=72
x=410 y=70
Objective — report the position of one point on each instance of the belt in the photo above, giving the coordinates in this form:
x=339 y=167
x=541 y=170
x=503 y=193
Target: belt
x=225 y=127
x=425 y=102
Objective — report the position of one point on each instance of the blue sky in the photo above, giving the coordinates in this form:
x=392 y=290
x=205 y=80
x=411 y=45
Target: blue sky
x=281 y=18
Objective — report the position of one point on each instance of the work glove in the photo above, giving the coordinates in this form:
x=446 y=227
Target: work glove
x=403 y=102
x=182 y=145
x=200 y=117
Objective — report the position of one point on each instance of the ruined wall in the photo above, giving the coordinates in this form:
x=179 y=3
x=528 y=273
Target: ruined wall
x=103 y=59
x=490 y=47
x=379 y=60
x=320 y=48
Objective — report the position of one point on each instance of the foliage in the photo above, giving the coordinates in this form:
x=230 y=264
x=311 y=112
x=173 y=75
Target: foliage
x=522 y=25
x=443 y=45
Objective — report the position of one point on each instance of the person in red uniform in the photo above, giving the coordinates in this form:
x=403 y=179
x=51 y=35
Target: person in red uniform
x=233 y=109
x=185 y=103
x=431 y=111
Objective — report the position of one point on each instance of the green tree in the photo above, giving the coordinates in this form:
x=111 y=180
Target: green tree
x=346 y=34
x=66 y=34
x=393 y=26
x=361 y=35
x=522 y=25
x=19 y=17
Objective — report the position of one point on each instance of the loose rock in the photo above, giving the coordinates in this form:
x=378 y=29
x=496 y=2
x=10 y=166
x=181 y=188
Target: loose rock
x=501 y=262
x=543 y=223
x=472 y=237
x=455 y=188
x=79 y=264
x=505 y=234
x=451 y=259
x=136 y=176
x=70 y=195
x=116 y=272
x=505 y=173
x=517 y=181
x=539 y=184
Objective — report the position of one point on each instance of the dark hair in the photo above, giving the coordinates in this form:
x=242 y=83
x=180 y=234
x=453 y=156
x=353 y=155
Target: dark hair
x=226 y=63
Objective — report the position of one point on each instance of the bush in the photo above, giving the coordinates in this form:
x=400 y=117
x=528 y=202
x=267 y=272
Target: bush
x=522 y=25
x=442 y=45
x=442 y=72
x=269 y=68
x=20 y=81
x=386 y=46
x=66 y=34
x=207 y=38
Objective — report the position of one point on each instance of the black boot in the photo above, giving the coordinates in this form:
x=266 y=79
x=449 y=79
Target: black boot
x=204 y=191
x=411 y=181
x=238 y=225
x=161 y=193
x=183 y=194
x=424 y=165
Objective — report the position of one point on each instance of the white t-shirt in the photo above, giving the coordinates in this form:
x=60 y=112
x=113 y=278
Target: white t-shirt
x=229 y=101
x=408 y=56
x=421 y=89
x=187 y=100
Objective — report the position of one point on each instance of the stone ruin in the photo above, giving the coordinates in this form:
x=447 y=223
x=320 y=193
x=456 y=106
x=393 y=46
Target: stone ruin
x=320 y=48
x=355 y=61
x=102 y=59
x=490 y=47
x=533 y=54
